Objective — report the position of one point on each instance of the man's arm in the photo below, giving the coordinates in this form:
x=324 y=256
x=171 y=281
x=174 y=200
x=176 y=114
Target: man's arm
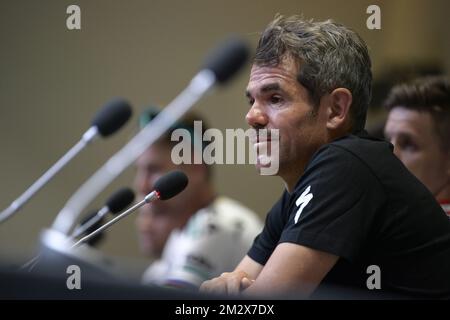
x=292 y=268
x=234 y=282
x=250 y=267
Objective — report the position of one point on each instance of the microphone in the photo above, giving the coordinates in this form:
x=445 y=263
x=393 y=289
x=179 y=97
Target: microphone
x=121 y=199
x=226 y=59
x=117 y=202
x=111 y=117
x=166 y=187
x=220 y=65
x=98 y=223
x=107 y=121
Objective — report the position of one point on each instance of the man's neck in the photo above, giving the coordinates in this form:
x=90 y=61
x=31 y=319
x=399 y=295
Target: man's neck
x=206 y=197
x=292 y=174
x=291 y=178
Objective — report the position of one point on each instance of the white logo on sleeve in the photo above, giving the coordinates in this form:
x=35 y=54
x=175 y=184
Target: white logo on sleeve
x=303 y=201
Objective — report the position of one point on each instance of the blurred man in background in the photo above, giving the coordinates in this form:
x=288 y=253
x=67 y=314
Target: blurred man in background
x=197 y=234
x=418 y=126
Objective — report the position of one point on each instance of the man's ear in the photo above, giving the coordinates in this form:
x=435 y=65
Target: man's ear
x=340 y=100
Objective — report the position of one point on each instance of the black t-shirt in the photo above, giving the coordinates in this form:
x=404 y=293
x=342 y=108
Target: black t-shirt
x=356 y=200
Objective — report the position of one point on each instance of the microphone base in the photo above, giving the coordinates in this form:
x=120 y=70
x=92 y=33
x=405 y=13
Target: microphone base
x=58 y=258
x=99 y=278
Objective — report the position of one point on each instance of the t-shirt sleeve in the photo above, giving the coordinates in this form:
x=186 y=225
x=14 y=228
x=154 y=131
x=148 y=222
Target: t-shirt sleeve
x=335 y=204
x=267 y=240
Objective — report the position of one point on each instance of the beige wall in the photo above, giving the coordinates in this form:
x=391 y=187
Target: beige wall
x=52 y=81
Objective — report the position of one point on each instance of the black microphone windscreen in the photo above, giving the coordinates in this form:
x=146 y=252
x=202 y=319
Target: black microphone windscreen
x=112 y=117
x=121 y=199
x=227 y=59
x=171 y=184
x=97 y=238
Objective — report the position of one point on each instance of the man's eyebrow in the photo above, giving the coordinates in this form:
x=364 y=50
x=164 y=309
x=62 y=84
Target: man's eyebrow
x=402 y=135
x=406 y=134
x=266 y=88
x=270 y=87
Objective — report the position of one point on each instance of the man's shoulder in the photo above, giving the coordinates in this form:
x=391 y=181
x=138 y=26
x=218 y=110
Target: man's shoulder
x=363 y=163
x=228 y=211
x=233 y=208
x=351 y=162
x=361 y=144
x=371 y=153
x=225 y=214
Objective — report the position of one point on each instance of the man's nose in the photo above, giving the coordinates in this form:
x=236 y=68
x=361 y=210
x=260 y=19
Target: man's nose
x=256 y=117
x=397 y=151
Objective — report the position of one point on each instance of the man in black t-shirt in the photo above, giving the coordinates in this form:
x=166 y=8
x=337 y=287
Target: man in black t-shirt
x=352 y=214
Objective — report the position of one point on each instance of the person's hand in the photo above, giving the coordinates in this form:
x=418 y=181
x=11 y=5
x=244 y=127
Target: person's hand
x=228 y=283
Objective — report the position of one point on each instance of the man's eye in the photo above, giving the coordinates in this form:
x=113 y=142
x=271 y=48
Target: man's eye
x=251 y=101
x=275 y=99
x=407 y=145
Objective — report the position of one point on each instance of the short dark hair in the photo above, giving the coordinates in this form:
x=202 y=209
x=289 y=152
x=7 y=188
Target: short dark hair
x=427 y=94
x=329 y=56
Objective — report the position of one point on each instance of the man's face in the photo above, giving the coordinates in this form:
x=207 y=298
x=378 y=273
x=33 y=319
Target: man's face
x=156 y=220
x=416 y=144
x=278 y=101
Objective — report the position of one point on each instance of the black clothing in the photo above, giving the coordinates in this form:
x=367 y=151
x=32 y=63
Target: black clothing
x=356 y=200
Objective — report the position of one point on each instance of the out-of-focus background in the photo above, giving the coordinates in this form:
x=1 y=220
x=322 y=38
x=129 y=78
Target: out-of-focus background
x=53 y=80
